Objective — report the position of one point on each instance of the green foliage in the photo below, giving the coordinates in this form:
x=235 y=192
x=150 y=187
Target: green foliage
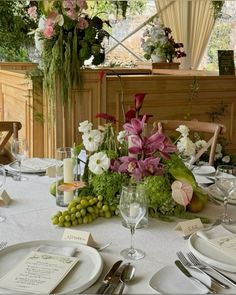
x=220 y=39
x=158 y=192
x=120 y=8
x=217 y=6
x=108 y=185
x=176 y=167
x=15 y=25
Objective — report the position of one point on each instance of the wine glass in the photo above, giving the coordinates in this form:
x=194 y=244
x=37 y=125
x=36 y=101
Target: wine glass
x=19 y=149
x=2 y=185
x=225 y=180
x=132 y=208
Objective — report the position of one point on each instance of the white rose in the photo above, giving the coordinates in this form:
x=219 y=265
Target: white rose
x=184 y=130
x=121 y=136
x=226 y=159
x=98 y=163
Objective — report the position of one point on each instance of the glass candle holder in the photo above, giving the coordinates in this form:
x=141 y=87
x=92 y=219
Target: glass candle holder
x=65 y=173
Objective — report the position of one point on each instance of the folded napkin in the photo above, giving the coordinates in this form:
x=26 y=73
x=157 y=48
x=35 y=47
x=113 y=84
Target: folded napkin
x=37 y=163
x=222 y=239
x=65 y=250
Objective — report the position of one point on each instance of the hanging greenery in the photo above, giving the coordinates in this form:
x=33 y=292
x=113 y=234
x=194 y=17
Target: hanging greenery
x=217 y=6
x=66 y=37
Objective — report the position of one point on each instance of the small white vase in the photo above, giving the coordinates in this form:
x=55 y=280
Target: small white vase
x=157 y=58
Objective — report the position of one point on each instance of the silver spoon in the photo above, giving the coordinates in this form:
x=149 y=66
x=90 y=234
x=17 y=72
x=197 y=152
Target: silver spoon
x=126 y=276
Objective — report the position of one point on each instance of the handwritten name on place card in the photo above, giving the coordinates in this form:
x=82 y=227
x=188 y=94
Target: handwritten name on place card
x=79 y=236
x=38 y=273
x=190 y=226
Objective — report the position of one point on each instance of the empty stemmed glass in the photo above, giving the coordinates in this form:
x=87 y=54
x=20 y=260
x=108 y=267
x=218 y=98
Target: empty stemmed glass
x=2 y=185
x=19 y=149
x=225 y=180
x=132 y=207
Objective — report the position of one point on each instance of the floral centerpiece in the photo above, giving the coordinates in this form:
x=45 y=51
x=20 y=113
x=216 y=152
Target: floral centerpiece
x=66 y=37
x=157 y=40
x=132 y=157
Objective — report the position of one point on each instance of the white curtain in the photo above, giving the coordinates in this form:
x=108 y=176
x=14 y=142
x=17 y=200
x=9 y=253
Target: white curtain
x=191 y=22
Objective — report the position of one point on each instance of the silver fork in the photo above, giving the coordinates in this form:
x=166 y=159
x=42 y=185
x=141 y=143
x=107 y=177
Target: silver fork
x=203 y=265
x=185 y=262
x=3 y=245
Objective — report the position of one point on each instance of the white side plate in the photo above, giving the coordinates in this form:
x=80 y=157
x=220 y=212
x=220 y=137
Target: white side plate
x=204 y=170
x=82 y=276
x=33 y=165
x=170 y=280
x=209 y=254
x=203 y=179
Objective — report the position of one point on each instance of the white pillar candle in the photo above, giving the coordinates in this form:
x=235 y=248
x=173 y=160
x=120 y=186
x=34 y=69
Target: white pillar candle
x=68 y=175
x=134 y=210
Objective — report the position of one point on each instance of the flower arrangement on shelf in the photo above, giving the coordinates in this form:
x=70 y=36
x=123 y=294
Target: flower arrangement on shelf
x=187 y=147
x=158 y=41
x=132 y=157
x=66 y=37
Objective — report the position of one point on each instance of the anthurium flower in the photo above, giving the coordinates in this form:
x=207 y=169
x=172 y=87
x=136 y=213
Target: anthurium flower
x=182 y=192
x=98 y=163
x=69 y=187
x=138 y=98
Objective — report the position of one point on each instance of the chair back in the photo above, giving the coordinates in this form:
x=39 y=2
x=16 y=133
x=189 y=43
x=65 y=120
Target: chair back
x=7 y=129
x=214 y=129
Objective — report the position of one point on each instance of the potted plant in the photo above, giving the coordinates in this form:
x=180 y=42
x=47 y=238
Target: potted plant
x=159 y=45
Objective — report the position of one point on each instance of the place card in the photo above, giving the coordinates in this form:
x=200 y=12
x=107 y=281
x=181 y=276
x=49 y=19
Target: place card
x=38 y=273
x=5 y=199
x=189 y=226
x=79 y=236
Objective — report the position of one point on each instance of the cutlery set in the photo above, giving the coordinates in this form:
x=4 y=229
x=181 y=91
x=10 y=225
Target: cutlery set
x=119 y=273
x=193 y=263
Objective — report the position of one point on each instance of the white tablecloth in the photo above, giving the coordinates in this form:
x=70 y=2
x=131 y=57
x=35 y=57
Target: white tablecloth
x=28 y=218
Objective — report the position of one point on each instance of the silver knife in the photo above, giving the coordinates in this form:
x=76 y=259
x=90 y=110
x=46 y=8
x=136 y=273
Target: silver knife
x=108 y=277
x=188 y=274
x=115 y=280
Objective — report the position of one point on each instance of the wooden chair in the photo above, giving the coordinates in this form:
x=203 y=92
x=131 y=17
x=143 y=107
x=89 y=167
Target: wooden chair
x=214 y=129
x=7 y=130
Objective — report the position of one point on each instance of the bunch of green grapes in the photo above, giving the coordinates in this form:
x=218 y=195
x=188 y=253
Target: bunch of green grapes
x=83 y=210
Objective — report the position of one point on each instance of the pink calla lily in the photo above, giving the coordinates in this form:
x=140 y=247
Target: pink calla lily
x=138 y=99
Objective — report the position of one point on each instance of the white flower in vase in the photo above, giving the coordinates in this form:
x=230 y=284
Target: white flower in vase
x=98 y=163
x=121 y=136
x=186 y=147
x=184 y=130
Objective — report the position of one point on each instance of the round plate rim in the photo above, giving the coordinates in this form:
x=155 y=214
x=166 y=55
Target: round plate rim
x=208 y=260
x=54 y=242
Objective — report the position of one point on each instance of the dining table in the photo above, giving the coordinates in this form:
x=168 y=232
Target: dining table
x=28 y=218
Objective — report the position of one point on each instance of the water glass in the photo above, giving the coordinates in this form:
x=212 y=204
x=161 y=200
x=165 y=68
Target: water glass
x=19 y=149
x=225 y=180
x=2 y=185
x=65 y=173
x=133 y=207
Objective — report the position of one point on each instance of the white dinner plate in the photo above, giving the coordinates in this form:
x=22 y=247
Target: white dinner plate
x=203 y=179
x=170 y=280
x=216 y=193
x=82 y=276
x=203 y=170
x=32 y=165
x=206 y=252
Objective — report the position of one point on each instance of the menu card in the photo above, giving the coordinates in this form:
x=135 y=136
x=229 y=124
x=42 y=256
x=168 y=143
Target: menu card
x=226 y=62
x=38 y=273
